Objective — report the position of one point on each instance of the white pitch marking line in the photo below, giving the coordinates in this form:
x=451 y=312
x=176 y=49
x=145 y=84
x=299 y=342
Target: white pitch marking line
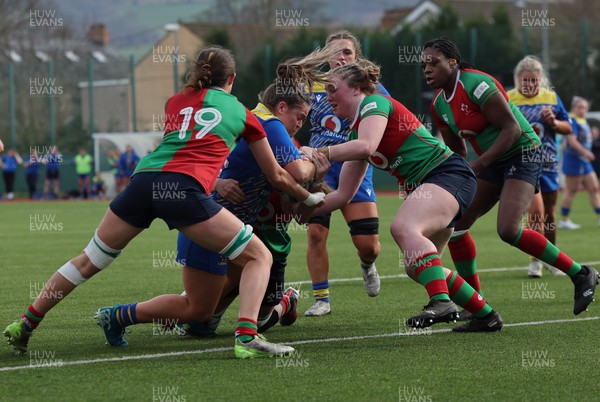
x=503 y=269
x=308 y=341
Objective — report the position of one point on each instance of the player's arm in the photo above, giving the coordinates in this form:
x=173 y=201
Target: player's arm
x=579 y=148
x=351 y=176
x=301 y=170
x=370 y=133
x=278 y=176
x=558 y=118
x=455 y=143
x=497 y=111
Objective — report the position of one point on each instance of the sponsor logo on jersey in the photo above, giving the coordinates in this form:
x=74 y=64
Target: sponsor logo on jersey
x=481 y=88
x=367 y=107
x=331 y=123
x=318 y=98
x=445 y=117
x=538 y=128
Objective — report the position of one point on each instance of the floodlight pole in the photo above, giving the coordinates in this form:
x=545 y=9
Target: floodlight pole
x=11 y=105
x=52 y=105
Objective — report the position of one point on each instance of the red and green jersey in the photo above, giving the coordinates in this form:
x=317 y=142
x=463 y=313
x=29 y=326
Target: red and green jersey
x=200 y=130
x=407 y=150
x=463 y=115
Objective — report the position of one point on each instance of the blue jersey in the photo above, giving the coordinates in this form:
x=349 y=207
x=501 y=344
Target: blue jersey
x=128 y=163
x=583 y=133
x=531 y=108
x=33 y=167
x=10 y=163
x=241 y=166
x=326 y=128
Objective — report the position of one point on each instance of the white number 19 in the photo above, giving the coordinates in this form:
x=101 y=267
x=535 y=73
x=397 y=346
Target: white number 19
x=206 y=124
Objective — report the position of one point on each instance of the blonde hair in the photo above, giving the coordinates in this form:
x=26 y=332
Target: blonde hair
x=577 y=100
x=531 y=63
x=306 y=71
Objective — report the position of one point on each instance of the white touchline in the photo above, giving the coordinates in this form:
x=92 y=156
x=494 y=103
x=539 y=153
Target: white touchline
x=307 y=341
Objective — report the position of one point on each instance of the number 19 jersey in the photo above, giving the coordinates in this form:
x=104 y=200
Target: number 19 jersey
x=201 y=126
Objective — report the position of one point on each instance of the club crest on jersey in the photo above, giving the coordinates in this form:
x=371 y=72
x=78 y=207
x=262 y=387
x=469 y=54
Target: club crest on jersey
x=465 y=108
x=331 y=123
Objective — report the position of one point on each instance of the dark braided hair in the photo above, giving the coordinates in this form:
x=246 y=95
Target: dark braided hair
x=445 y=46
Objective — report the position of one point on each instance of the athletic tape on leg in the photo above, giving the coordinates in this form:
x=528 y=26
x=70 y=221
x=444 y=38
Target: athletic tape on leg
x=71 y=273
x=237 y=245
x=99 y=253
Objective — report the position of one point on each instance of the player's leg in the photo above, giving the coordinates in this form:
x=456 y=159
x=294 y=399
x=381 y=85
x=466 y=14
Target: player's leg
x=483 y=317
x=514 y=201
x=317 y=256
x=550 y=199
x=204 y=276
x=590 y=184
x=363 y=221
x=571 y=186
x=317 y=261
x=426 y=211
x=535 y=221
x=245 y=249
x=279 y=304
x=461 y=244
x=112 y=235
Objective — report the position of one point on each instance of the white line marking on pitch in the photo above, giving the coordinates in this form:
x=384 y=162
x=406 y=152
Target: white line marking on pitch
x=307 y=341
x=503 y=269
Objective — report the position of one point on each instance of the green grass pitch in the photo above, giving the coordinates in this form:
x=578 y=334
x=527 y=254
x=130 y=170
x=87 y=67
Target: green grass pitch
x=360 y=352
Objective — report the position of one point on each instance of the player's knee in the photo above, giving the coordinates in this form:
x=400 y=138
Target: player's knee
x=317 y=236
x=256 y=250
x=366 y=226
x=369 y=250
x=401 y=231
x=508 y=233
x=99 y=255
x=198 y=314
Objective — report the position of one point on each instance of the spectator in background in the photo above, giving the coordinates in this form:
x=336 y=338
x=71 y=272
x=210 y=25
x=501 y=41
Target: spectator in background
x=1 y=146
x=52 y=162
x=32 y=172
x=9 y=163
x=113 y=162
x=127 y=163
x=577 y=165
x=98 y=186
x=83 y=168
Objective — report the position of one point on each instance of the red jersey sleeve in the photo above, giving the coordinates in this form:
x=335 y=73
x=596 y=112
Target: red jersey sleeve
x=253 y=130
